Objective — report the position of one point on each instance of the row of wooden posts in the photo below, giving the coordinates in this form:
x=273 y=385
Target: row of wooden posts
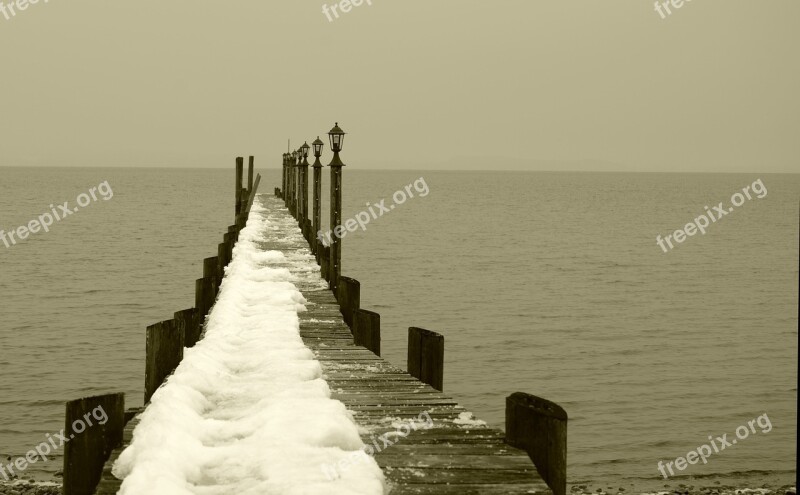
x=87 y=451
x=533 y=424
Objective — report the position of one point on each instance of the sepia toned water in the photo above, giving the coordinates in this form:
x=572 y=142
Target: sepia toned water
x=546 y=283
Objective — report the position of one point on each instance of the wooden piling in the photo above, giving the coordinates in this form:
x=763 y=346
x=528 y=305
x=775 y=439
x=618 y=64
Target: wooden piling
x=238 y=189
x=187 y=321
x=164 y=352
x=336 y=221
x=250 y=168
x=203 y=300
x=367 y=330
x=426 y=356
x=317 y=208
x=211 y=271
x=222 y=252
x=325 y=264
x=90 y=443
x=348 y=294
x=539 y=427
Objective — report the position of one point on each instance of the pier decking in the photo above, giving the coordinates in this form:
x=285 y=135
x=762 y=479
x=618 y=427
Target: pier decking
x=446 y=459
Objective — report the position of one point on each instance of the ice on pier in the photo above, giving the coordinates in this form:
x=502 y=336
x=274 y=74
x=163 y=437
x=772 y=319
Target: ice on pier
x=247 y=411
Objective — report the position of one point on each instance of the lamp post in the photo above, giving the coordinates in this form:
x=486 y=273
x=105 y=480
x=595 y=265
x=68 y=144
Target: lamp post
x=336 y=136
x=293 y=186
x=283 y=184
x=304 y=189
x=317 y=206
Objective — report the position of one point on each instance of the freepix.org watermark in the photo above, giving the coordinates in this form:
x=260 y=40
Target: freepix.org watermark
x=712 y=215
x=663 y=6
x=54 y=442
x=382 y=442
x=46 y=220
x=376 y=211
x=10 y=9
x=344 y=6
x=719 y=444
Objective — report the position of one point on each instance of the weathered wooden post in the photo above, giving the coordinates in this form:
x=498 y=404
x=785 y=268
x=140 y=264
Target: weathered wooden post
x=317 y=206
x=539 y=427
x=325 y=261
x=222 y=253
x=203 y=301
x=285 y=187
x=336 y=138
x=426 y=356
x=367 y=330
x=293 y=183
x=211 y=271
x=187 y=321
x=239 y=174
x=304 y=188
x=250 y=169
x=90 y=443
x=164 y=353
x=348 y=294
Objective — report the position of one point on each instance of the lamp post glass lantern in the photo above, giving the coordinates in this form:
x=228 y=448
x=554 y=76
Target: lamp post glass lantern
x=336 y=136
x=318 y=144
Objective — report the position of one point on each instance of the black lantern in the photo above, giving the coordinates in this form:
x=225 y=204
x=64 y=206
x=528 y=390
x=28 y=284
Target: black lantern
x=318 y=144
x=304 y=149
x=337 y=138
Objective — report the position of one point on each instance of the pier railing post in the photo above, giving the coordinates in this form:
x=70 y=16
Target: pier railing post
x=285 y=189
x=164 y=346
x=239 y=174
x=316 y=216
x=336 y=220
x=250 y=169
x=203 y=301
x=187 y=322
x=367 y=330
x=539 y=427
x=348 y=294
x=211 y=271
x=325 y=261
x=90 y=443
x=222 y=251
x=426 y=356
x=336 y=136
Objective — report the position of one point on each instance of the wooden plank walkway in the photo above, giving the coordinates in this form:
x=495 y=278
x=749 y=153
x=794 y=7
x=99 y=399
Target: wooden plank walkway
x=453 y=456
x=449 y=458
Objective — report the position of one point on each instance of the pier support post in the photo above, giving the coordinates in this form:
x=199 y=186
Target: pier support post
x=203 y=301
x=348 y=294
x=211 y=271
x=367 y=330
x=222 y=253
x=188 y=323
x=91 y=443
x=539 y=427
x=316 y=223
x=239 y=174
x=164 y=352
x=284 y=187
x=336 y=136
x=325 y=261
x=336 y=220
x=426 y=356
x=250 y=169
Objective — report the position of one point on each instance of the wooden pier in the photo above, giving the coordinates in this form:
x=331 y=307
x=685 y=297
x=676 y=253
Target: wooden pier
x=454 y=454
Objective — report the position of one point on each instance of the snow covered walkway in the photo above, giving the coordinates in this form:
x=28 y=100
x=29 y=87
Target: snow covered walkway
x=247 y=411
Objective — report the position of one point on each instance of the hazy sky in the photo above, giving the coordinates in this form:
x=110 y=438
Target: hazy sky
x=532 y=84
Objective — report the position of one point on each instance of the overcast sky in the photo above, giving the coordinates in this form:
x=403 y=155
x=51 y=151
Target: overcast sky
x=528 y=84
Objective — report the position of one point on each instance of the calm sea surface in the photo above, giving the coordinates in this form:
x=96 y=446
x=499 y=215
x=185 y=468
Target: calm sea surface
x=547 y=283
